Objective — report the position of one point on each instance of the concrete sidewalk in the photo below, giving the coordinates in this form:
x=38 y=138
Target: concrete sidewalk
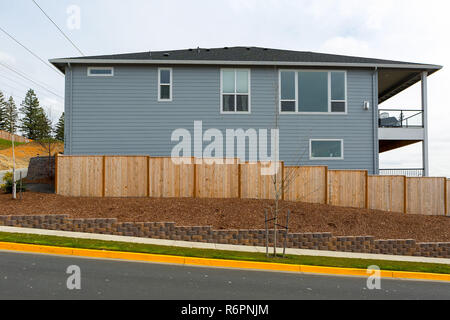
x=199 y=245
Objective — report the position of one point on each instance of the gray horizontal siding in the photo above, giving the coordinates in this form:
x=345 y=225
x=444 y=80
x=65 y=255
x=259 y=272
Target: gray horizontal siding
x=120 y=115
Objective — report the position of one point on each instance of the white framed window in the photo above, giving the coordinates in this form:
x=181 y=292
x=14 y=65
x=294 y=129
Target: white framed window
x=165 y=80
x=313 y=92
x=235 y=91
x=100 y=72
x=326 y=149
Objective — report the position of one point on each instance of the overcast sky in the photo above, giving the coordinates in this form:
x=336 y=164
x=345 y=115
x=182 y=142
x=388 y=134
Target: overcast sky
x=407 y=30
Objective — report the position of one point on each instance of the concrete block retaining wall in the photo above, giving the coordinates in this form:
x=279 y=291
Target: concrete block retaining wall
x=169 y=231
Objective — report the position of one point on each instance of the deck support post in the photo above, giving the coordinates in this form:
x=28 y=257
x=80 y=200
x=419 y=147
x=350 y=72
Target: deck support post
x=425 y=161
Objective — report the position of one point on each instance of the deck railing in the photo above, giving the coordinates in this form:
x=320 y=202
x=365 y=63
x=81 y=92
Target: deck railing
x=397 y=118
x=402 y=172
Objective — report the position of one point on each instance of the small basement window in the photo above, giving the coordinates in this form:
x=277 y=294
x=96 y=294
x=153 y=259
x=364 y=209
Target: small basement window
x=164 y=84
x=326 y=149
x=100 y=71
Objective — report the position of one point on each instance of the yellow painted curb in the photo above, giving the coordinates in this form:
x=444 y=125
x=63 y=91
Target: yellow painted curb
x=131 y=256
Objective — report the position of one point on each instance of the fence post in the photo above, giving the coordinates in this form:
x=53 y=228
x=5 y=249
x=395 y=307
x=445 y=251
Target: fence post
x=104 y=177
x=194 y=189
x=405 y=193
x=367 y=190
x=239 y=178
x=446 y=196
x=327 y=187
x=56 y=173
x=282 y=181
x=148 y=176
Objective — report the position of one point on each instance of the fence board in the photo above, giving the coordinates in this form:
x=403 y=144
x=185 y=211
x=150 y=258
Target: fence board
x=7 y=136
x=386 y=193
x=126 y=176
x=347 y=188
x=425 y=196
x=447 y=203
x=141 y=176
x=306 y=184
x=171 y=179
x=217 y=180
x=80 y=176
x=257 y=184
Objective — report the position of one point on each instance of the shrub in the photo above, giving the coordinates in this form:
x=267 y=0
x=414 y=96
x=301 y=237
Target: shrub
x=8 y=184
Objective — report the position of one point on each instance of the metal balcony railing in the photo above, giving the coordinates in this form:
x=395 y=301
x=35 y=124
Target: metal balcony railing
x=403 y=172
x=397 y=118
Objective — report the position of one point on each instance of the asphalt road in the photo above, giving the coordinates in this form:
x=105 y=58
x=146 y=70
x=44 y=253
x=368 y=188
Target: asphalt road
x=31 y=276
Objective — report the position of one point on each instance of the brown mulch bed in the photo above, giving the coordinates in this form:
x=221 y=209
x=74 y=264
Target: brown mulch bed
x=236 y=214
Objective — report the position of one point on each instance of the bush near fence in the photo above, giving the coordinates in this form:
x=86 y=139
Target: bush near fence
x=160 y=177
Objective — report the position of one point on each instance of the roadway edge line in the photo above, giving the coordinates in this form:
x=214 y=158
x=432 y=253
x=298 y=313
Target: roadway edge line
x=234 y=264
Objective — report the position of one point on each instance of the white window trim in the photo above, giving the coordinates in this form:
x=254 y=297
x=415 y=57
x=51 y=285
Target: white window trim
x=165 y=84
x=235 y=93
x=100 y=75
x=297 y=95
x=327 y=158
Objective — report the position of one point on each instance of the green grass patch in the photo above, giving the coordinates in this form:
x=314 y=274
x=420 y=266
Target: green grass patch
x=219 y=254
x=6 y=144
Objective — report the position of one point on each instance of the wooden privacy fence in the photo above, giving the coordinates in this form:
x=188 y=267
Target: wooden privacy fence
x=143 y=176
x=8 y=136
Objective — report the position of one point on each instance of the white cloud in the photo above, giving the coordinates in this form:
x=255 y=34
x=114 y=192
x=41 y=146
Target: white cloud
x=4 y=57
x=346 y=46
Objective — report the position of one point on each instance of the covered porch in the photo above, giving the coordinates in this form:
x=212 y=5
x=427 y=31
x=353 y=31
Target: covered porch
x=401 y=127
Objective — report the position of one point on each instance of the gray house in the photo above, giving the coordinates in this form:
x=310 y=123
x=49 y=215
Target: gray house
x=325 y=106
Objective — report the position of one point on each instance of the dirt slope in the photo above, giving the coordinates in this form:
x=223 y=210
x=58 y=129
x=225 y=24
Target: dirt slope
x=236 y=214
x=24 y=153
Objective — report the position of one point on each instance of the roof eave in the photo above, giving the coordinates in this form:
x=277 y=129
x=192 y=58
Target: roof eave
x=256 y=63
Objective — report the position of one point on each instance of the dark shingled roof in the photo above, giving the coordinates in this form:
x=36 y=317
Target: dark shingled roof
x=243 y=54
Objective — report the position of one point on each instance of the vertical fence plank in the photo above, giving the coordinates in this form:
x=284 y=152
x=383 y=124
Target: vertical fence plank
x=257 y=183
x=306 y=184
x=217 y=178
x=126 y=176
x=56 y=173
x=347 y=188
x=447 y=197
x=425 y=196
x=80 y=176
x=386 y=193
x=142 y=176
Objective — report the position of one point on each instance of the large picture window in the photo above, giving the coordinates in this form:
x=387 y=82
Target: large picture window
x=235 y=90
x=313 y=92
x=326 y=149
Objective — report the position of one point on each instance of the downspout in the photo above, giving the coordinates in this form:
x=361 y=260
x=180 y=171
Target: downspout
x=376 y=143
x=70 y=108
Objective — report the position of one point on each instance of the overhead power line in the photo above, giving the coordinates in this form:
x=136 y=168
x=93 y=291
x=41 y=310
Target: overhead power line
x=60 y=30
x=29 y=79
x=31 y=52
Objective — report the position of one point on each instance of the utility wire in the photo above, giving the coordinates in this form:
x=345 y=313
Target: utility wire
x=31 y=80
x=26 y=77
x=60 y=30
x=15 y=81
x=31 y=52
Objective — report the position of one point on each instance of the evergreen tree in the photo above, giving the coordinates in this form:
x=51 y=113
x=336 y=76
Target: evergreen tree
x=30 y=109
x=11 y=116
x=43 y=128
x=59 y=130
x=2 y=112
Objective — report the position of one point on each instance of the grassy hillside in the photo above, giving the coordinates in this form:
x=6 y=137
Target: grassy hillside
x=6 y=144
